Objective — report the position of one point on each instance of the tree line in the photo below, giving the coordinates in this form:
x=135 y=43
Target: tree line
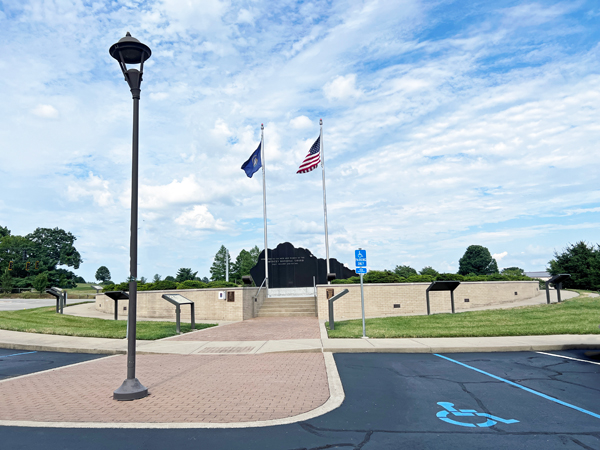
x=186 y=278
x=33 y=260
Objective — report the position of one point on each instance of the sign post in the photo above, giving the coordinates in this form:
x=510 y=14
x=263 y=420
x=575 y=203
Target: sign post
x=360 y=256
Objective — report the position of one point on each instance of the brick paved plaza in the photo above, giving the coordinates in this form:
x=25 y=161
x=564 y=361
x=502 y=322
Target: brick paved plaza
x=183 y=389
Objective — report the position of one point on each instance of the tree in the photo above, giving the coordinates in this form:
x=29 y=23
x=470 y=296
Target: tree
x=217 y=270
x=156 y=278
x=55 y=247
x=582 y=262
x=513 y=271
x=242 y=265
x=6 y=282
x=184 y=274
x=103 y=274
x=405 y=271
x=255 y=253
x=18 y=250
x=205 y=280
x=477 y=260
x=41 y=282
x=169 y=278
x=428 y=270
x=143 y=280
x=4 y=231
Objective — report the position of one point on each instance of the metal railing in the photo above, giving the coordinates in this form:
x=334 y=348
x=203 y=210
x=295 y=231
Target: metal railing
x=331 y=300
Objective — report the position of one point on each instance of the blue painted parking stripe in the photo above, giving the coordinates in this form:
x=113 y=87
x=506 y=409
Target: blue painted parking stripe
x=547 y=397
x=16 y=354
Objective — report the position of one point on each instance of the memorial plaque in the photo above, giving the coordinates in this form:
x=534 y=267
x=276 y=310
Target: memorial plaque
x=295 y=267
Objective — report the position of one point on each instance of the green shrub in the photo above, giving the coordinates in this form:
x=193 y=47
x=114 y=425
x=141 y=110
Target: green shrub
x=220 y=284
x=41 y=282
x=351 y=280
x=191 y=284
x=381 y=276
x=420 y=279
x=449 y=277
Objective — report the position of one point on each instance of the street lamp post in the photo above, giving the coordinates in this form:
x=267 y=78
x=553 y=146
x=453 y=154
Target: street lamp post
x=131 y=51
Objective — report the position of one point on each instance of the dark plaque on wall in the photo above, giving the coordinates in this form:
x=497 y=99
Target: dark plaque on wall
x=295 y=267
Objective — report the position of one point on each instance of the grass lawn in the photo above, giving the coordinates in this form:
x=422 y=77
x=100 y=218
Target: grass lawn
x=580 y=315
x=45 y=320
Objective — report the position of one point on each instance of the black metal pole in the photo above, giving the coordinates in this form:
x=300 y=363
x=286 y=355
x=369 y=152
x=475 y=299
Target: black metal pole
x=558 y=288
x=132 y=389
x=547 y=293
x=331 y=321
x=193 y=317
x=452 y=300
x=427 y=295
x=133 y=243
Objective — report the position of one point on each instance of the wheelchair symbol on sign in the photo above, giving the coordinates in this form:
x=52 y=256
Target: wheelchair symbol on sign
x=450 y=410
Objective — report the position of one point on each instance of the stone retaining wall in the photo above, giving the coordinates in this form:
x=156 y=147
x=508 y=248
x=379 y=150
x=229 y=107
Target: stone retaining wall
x=410 y=298
x=381 y=300
x=207 y=304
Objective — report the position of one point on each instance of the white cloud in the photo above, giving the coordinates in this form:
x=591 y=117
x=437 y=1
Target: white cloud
x=485 y=134
x=159 y=96
x=245 y=16
x=498 y=256
x=342 y=88
x=301 y=122
x=95 y=187
x=45 y=111
x=201 y=219
x=188 y=190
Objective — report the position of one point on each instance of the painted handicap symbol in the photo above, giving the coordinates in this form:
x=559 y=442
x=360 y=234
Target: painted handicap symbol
x=450 y=410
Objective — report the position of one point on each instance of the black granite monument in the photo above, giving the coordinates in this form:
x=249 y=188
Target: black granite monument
x=295 y=267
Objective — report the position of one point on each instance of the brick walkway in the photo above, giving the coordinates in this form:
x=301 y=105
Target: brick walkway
x=215 y=389
x=259 y=329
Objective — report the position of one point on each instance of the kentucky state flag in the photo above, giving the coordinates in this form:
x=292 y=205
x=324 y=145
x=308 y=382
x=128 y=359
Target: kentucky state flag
x=253 y=164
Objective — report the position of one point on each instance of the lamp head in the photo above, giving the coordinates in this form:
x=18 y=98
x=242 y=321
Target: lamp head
x=130 y=51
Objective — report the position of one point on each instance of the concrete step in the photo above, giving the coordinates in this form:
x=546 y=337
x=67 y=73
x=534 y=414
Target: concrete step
x=286 y=314
x=288 y=307
x=288 y=304
x=291 y=292
x=291 y=309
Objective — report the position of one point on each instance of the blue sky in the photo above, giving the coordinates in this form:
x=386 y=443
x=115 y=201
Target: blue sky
x=446 y=124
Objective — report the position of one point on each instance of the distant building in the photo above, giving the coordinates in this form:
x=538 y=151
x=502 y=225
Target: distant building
x=541 y=275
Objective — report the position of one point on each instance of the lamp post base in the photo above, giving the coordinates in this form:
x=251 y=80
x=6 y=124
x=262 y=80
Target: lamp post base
x=131 y=389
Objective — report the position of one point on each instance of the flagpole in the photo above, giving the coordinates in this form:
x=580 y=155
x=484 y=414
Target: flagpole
x=262 y=158
x=324 y=201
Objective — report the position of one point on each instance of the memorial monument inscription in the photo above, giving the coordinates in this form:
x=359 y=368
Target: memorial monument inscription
x=295 y=267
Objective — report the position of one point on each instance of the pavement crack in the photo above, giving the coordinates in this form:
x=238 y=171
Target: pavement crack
x=311 y=429
x=365 y=440
x=581 y=444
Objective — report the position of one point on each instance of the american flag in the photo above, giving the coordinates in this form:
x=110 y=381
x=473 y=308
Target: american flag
x=313 y=158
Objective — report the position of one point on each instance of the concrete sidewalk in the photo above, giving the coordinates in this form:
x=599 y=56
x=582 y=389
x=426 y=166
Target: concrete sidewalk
x=70 y=344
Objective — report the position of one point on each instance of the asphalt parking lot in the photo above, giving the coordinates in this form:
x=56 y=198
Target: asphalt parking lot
x=419 y=401
x=14 y=363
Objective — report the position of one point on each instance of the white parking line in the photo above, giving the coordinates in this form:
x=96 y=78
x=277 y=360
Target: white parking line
x=568 y=357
